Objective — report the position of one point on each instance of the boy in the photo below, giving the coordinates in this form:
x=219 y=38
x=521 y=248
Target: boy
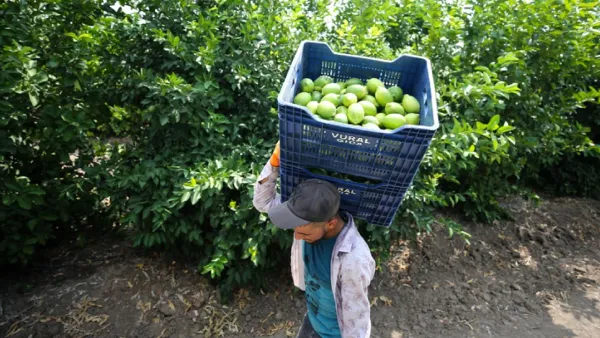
x=330 y=260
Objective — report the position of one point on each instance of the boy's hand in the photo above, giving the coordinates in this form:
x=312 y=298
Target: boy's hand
x=275 y=156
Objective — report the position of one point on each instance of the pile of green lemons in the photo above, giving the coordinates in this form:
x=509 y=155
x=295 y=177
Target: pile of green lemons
x=369 y=105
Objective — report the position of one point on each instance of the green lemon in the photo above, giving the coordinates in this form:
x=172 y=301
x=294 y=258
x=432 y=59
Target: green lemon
x=371 y=126
x=393 y=121
x=331 y=88
x=410 y=104
x=394 y=108
x=341 y=118
x=372 y=99
x=307 y=85
x=302 y=98
x=370 y=119
x=396 y=93
x=354 y=81
x=358 y=90
x=321 y=81
x=370 y=109
x=333 y=98
x=383 y=96
x=373 y=84
x=316 y=96
x=341 y=110
x=412 y=119
x=356 y=113
x=349 y=99
x=312 y=106
x=326 y=109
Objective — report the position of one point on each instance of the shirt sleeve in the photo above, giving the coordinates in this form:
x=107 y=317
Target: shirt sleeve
x=265 y=193
x=266 y=197
x=355 y=278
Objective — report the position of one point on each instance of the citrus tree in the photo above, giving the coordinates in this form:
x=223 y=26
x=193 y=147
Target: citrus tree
x=154 y=117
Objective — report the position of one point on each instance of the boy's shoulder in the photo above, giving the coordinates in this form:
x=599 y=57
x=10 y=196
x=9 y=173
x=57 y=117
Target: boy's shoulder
x=355 y=249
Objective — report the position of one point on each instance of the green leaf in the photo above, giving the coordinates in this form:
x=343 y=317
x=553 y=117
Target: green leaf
x=24 y=203
x=185 y=196
x=196 y=196
x=486 y=78
x=33 y=99
x=457 y=128
x=41 y=78
x=12 y=186
x=504 y=129
x=493 y=124
x=48 y=216
x=587 y=4
x=508 y=58
x=32 y=224
x=37 y=200
x=35 y=190
x=567 y=5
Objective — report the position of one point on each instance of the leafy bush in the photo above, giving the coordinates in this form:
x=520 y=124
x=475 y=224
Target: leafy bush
x=168 y=108
x=49 y=112
x=546 y=48
x=198 y=112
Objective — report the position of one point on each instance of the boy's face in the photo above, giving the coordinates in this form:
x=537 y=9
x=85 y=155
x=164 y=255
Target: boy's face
x=312 y=232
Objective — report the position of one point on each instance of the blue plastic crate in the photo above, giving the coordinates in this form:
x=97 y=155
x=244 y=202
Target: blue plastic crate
x=392 y=157
x=376 y=203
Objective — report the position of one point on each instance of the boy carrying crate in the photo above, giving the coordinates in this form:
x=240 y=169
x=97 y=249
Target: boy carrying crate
x=330 y=260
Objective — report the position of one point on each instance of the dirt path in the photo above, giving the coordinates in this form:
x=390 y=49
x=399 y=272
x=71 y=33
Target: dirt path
x=538 y=276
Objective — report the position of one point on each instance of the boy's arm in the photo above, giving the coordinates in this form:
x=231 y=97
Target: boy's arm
x=355 y=277
x=266 y=197
x=265 y=189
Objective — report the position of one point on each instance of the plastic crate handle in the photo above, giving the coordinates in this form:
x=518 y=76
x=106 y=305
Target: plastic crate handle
x=345 y=181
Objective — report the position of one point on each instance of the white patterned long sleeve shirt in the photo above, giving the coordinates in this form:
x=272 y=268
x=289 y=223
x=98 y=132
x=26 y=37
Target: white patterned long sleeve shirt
x=352 y=266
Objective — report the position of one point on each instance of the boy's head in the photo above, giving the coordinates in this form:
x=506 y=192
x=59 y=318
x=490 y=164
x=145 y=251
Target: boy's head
x=312 y=210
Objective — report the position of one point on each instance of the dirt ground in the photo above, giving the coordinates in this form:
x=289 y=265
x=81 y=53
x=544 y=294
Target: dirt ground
x=537 y=276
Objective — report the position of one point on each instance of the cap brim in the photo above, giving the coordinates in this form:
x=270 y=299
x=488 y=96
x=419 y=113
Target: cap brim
x=282 y=217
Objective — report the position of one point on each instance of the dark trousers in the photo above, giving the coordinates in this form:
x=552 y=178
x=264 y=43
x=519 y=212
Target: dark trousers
x=306 y=330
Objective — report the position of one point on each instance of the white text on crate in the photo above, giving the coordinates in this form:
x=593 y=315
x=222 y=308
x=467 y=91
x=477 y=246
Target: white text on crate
x=346 y=191
x=344 y=138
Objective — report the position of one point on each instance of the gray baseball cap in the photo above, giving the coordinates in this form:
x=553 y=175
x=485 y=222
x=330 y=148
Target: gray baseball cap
x=313 y=200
